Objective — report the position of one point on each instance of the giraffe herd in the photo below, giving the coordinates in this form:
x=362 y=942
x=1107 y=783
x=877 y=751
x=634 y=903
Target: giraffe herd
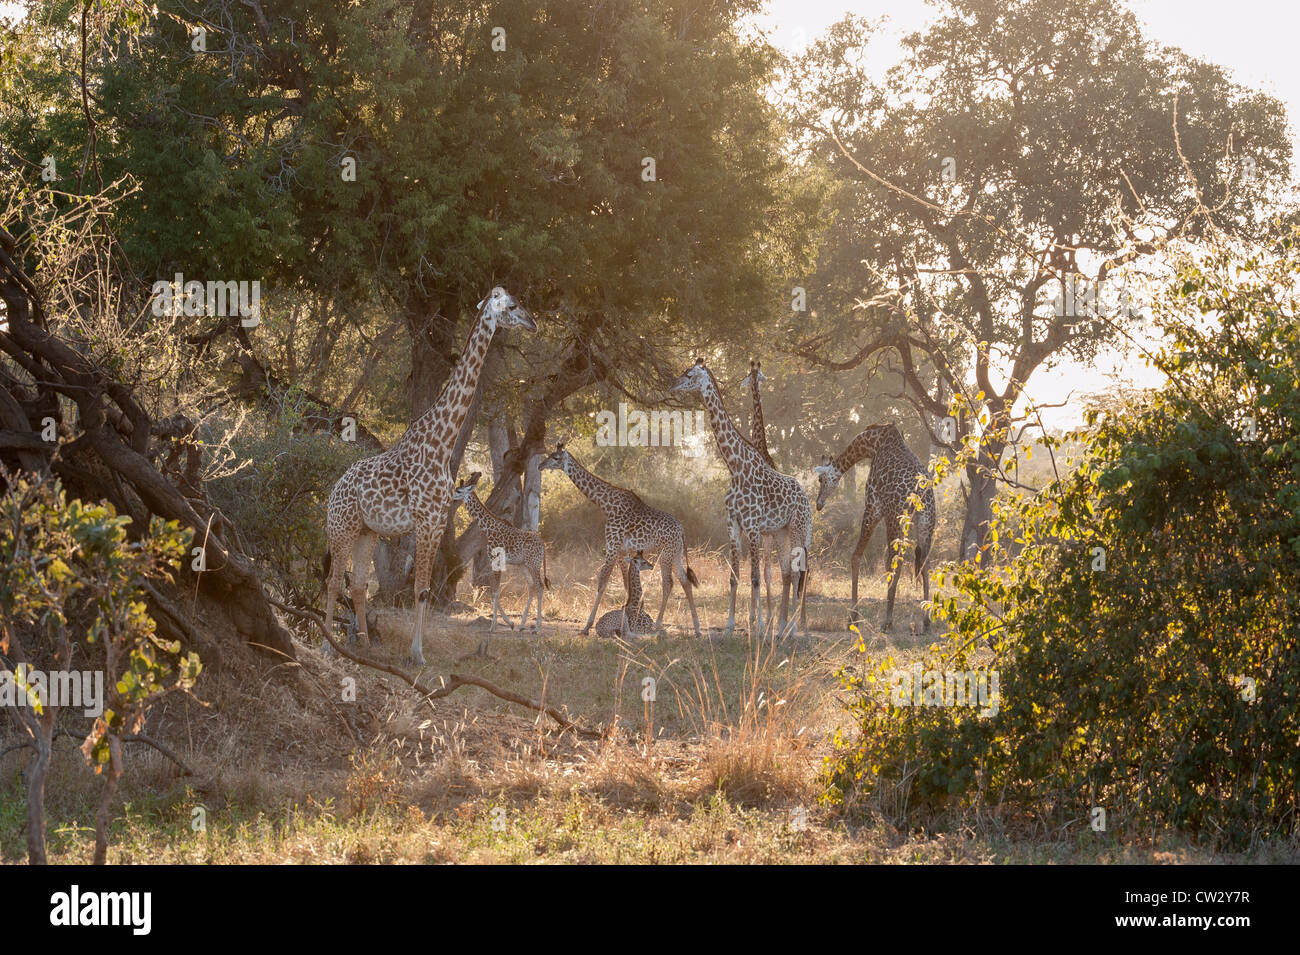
x=410 y=488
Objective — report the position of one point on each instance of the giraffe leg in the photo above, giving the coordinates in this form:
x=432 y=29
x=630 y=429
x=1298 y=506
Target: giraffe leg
x=869 y=521
x=894 y=537
x=803 y=594
x=755 y=607
x=538 y=586
x=362 y=553
x=601 y=583
x=733 y=560
x=496 y=603
x=528 y=604
x=922 y=558
x=666 y=587
x=783 y=554
x=690 y=591
x=767 y=576
x=426 y=545
x=340 y=550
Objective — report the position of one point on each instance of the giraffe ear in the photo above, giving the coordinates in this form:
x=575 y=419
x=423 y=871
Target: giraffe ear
x=699 y=362
x=473 y=478
x=560 y=446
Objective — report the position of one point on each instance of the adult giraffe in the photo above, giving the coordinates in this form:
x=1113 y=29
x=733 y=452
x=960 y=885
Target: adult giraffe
x=896 y=474
x=409 y=487
x=760 y=501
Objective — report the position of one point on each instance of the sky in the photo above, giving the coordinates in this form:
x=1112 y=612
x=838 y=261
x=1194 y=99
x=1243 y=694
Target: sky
x=1253 y=38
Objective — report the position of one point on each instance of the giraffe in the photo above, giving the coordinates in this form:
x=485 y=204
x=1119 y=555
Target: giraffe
x=760 y=501
x=896 y=474
x=507 y=545
x=631 y=525
x=632 y=619
x=408 y=487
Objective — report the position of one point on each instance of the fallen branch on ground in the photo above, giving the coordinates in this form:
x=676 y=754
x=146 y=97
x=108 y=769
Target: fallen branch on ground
x=455 y=682
x=133 y=738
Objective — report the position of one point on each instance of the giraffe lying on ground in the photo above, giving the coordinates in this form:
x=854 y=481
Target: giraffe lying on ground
x=408 y=487
x=896 y=474
x=631 y=525
x=506 y=545
x=761 y=501
x=631 y=620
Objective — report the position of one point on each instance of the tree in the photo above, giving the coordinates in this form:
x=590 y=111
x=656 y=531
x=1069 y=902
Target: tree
x=1001 y=188
x=1147 y=632
x=614 y=166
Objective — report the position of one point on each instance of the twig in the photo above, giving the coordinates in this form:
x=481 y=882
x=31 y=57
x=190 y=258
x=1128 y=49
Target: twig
x=457 y=680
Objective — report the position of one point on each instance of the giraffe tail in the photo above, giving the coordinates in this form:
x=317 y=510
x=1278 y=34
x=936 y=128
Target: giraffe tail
x=546 y=581
x=690 y=575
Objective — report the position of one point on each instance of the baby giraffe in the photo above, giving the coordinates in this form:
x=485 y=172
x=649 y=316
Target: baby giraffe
x=632 y=620
x=506 y=545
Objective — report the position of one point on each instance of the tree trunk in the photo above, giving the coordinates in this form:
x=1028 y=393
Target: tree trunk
x=104 y=812
x=110 y=459
x=42 y=733
x=532 y=503
x=983 y=488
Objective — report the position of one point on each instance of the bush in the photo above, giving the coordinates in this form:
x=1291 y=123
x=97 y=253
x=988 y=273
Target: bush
x=73 y=584
x=1162 y=686
x=278 y=498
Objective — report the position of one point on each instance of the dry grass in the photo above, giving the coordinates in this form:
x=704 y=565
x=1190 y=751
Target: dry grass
x=722 y=766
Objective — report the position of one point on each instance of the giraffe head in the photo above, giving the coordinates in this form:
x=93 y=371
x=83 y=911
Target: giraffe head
x=697 y=378
x=557 y=460
x=867 y=445
x=828 y=479
x=466 y=487
x=639 y=562
x=504 y=312
x=755 y=378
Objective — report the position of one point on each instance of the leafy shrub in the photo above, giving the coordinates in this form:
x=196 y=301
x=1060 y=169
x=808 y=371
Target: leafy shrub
x=72 y=583
x=1164 y=685
x=278 y=497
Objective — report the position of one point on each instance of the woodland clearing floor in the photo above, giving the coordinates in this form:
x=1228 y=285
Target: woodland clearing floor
x=722 y=767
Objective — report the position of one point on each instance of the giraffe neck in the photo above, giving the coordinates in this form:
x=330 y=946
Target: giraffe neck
x=868 y=442
x=479 y=512
x=439 y=427
x=600 y=493
x=633 y=588
x=757 y=428
x=739 y=454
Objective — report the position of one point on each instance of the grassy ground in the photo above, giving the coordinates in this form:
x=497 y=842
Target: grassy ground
x=722 y=767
